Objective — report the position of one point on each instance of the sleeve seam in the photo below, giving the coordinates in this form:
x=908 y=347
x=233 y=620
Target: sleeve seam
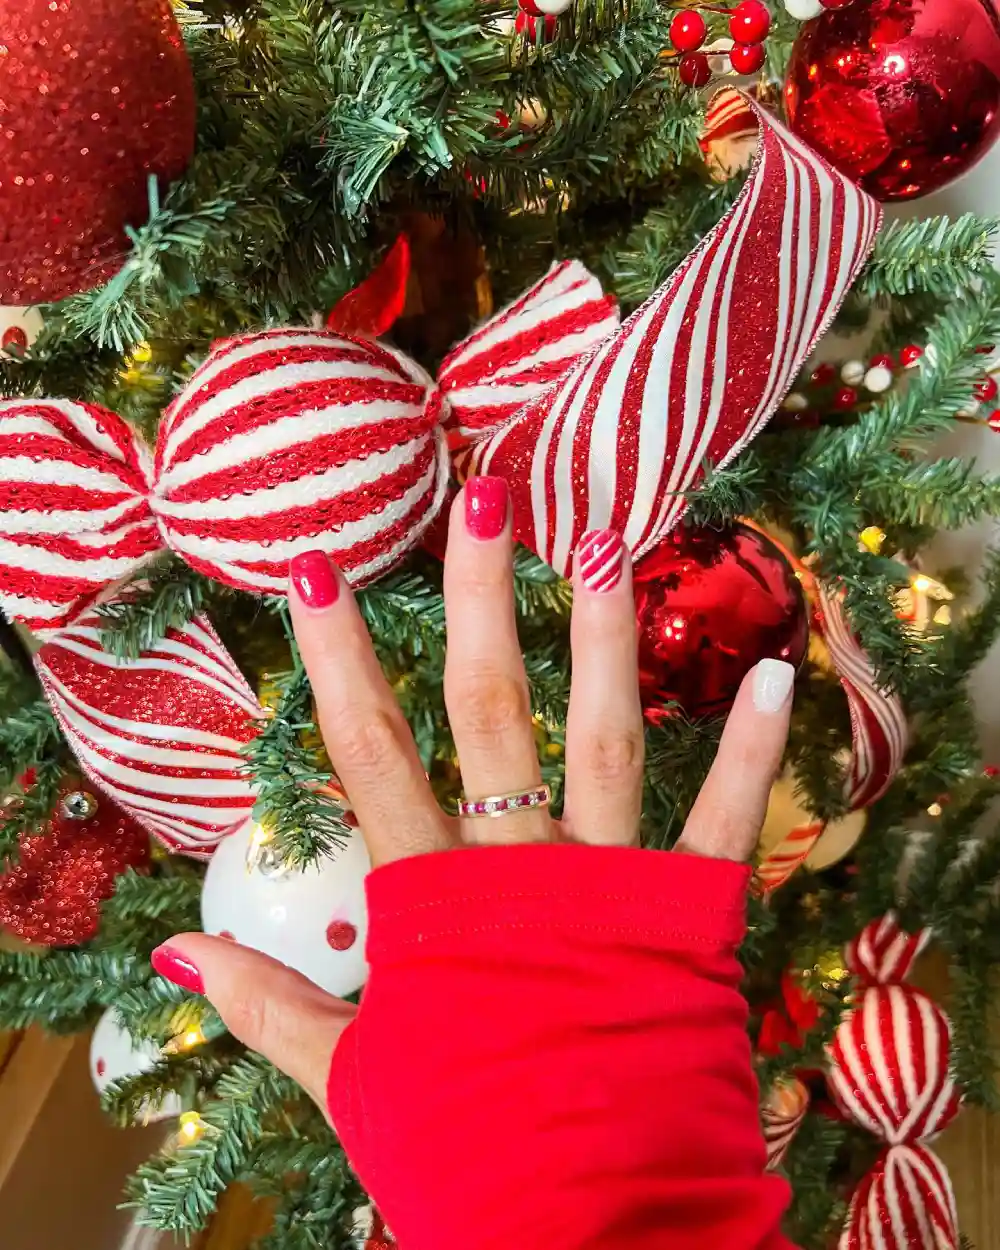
x=466 y=930
x=492 y=896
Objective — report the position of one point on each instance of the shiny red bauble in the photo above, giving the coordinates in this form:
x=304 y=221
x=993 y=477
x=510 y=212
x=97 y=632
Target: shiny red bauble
x=97 y=96
x=688 y=30
x=709 y=606
x=747 y=58
x=694 y=69
x=901 y=95
x=750 y=21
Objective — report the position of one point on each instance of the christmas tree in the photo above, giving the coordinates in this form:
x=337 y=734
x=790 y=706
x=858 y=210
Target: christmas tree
x=397 y=172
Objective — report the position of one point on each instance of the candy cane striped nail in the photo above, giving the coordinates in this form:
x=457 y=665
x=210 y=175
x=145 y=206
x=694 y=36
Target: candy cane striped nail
x=601 y=553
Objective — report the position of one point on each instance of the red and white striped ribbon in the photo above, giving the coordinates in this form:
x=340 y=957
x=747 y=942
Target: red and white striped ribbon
x=160 y=734
x=697 y=371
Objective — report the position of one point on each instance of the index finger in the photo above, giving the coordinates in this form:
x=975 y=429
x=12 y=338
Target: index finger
x=364 y=730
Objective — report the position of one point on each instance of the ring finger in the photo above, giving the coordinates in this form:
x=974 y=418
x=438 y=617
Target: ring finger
x=485 y=688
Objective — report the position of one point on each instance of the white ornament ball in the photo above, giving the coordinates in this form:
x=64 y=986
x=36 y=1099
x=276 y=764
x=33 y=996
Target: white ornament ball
x=114 y=1056
x=804 y=10
x=852 y=373
x=878 y=379
x=553 y=7
x=795 y=401
x=314 y=920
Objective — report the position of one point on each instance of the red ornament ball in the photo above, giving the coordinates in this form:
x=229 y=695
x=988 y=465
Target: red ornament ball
x=750 y=21
x=987 y=390
x=709 y=606
x=901 y=95
x=845 y=398
x=528 y=24
x=823 y=374
x=52 y=895
x=747 y=58
x=688 y=30
x=97 y=97
x=884 y=361
x=993 y=421
x=910 y=355
x=694 y=69
x=14 y=340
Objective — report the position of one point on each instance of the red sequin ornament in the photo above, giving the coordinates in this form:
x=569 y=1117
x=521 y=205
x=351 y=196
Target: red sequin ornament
x=688 y=30
x=901 y=95
x=52 y=895
x=96 y=98
x=750 y=21
x=709 y=606
x=694 y=69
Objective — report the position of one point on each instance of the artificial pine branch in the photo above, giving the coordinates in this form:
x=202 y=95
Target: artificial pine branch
x=934 y=255
x=169 y=594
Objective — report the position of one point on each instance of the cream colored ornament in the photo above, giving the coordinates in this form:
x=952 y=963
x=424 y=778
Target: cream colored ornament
x=803 y=10
x=878 y=379
x=786 y=813
x=314 y=920
x=852 y=372
x=115 y=1056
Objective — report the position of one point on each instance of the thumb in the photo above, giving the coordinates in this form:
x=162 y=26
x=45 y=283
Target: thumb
x=275 y=1011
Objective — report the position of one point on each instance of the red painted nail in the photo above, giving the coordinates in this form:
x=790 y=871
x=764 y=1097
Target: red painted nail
x=174 y=966
x=314 y=579
x=486 y=502
x=601 y=553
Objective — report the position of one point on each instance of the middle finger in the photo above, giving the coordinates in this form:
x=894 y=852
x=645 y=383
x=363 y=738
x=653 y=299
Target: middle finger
x=485 y=688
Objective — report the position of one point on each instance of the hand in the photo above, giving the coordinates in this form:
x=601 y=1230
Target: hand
x=282 y=1015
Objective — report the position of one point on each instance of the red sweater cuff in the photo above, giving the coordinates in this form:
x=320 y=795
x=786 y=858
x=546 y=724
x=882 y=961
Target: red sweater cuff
x=673 y=901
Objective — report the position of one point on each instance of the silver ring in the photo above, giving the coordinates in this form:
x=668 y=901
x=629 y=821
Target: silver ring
x=504 y=804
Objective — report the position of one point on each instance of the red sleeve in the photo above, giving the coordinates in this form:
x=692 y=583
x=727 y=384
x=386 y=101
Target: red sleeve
x=551 y=1054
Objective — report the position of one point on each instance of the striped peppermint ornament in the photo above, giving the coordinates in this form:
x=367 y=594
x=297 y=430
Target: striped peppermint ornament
x=879 y=735
x=160 y=734
x=697 y=371
x=781 y=1118
x=889 y=1072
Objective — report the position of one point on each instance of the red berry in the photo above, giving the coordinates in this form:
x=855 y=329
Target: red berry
x=750 y=22
x=885 y=360
x=991 y=771
x=993 y=421
x=986 y=349
x=846 y=397
x=688 y=31
x=910 y=355
x=529 y=6
x=14 y=339
x=823 y=374
x=747 y=58
x=503 y=121
x=987 y=390
x=526 y=24
x=694 y=69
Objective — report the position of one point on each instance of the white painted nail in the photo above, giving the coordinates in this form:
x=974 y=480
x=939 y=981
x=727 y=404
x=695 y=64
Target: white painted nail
x=772 y=685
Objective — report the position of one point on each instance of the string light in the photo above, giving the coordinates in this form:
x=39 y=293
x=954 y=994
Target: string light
x=187 y=1040
x=143 y=353
x=922 y=584
x=935 y=810
x=872 y=537
x=192 y=1128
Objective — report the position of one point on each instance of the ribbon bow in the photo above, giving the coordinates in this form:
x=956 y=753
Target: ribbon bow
x=889 y=1072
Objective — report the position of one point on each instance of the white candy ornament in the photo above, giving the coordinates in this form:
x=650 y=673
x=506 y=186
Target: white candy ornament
x=115 y=1056
x=315 y=921
x=804 y=10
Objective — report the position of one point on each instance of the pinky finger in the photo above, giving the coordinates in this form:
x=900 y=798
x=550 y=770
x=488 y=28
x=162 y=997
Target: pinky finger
x=726 y=819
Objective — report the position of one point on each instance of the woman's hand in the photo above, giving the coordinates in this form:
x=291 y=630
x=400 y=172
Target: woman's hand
x=284 y=1016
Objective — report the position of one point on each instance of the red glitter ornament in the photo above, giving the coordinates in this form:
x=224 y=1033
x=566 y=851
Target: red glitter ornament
x=709 y=606
x=97 y=96
x=910 y=355
x=14 y=340
x=750 y=21
x=901 y=95
x=688 y=30
x=694 y=69
x=747 y=58
x=52 y=895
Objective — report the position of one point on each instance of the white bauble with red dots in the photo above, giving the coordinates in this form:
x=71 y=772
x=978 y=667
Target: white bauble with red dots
x=115 y=1056
x=314 y=920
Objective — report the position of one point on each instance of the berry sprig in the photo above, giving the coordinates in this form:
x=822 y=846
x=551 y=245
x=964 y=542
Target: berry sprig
x=749 y=24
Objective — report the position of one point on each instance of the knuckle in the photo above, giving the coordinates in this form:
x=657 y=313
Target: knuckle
x=369 y=745
x=615 y=759
x=490 y=705
x=248 y=1017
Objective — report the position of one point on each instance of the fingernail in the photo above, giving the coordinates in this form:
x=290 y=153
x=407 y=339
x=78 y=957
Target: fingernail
x=772 y=685
x=174 y=966
x=601 y=553
x=314 y=579
x=485 y=506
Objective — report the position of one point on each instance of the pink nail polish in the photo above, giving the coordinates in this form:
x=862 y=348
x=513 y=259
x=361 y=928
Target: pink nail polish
x=486 y=504
x=174 y=966
x=601 y=554
x=314 y=579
